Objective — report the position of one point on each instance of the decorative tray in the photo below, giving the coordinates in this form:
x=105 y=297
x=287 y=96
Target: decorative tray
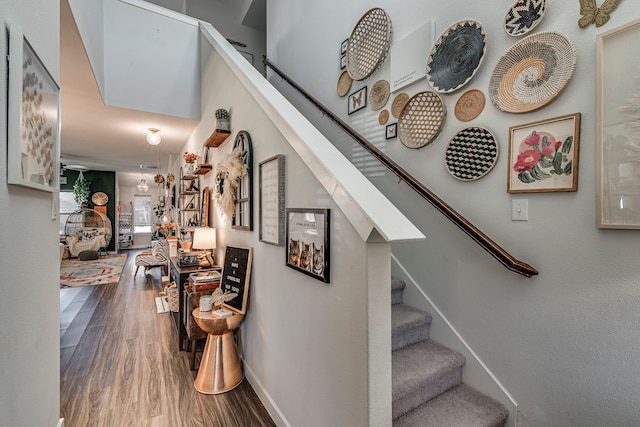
x=532 y=73
x=369 y=44
x=471 y=154
x=456 y=56
x=524 y=16
x=421 y=119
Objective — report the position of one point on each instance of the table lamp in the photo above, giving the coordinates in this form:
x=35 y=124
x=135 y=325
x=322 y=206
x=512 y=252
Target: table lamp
x=204 y=238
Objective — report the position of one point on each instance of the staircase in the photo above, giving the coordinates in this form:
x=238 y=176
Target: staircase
x=427 y=377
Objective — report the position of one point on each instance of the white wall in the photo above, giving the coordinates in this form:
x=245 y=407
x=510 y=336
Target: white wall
x=305 y=342
x=29 y=254
x=563 y=343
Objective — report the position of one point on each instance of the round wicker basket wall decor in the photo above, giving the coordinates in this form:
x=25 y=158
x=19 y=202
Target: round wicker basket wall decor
x=398 y=104
x=421 y=119
x=524 y=16
x=456 y=56
x=344 y=83
x=383 y=117
x=532 y=73
x=470 y=105
x=379 y=94
x=471 y=154
x=369 y=44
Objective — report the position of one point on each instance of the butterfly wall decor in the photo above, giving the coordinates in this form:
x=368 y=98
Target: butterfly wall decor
x=591 y=13
x=357 y=100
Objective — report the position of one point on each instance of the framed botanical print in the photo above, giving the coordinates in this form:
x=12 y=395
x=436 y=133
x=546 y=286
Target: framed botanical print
x=33 y=152
x=543 y=155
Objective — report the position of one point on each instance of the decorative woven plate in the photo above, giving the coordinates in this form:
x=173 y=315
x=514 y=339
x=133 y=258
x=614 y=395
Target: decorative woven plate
x=471 y=154
x=532 y=73
x=421 y=120
x=369 y=44
x=383 y=117
x=344 y=83
x=456 y=56
x=398 y=104
x=470 y=105
x=379 y=94
x=524 y=16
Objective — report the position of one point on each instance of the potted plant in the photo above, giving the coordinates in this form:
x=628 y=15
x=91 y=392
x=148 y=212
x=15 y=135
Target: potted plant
x=222 y=120
x=158 y=179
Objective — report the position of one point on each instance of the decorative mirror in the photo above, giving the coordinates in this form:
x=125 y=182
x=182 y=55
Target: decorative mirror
x=243 y=216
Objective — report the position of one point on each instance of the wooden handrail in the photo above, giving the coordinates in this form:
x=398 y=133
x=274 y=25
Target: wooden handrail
x=478 y=236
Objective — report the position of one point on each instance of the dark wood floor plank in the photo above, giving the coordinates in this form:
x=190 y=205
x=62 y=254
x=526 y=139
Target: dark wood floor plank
x=124 y=368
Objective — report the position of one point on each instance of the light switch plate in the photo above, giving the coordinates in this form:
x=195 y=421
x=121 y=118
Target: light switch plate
x=520 y=210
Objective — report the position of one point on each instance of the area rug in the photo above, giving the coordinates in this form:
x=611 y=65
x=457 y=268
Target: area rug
x=102 y=271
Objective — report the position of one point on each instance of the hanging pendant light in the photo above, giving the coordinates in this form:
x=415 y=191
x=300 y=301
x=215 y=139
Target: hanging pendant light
x=142 y=186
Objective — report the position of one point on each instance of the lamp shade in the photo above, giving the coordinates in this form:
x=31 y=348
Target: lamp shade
x=204 y=238
x=143 y=186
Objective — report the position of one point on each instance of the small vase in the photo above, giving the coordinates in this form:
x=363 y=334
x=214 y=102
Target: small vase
x=188 y=169
x=222 y=124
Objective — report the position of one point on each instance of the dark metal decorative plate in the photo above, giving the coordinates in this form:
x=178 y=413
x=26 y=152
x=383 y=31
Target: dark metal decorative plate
x=456 y=56
x=471 y=154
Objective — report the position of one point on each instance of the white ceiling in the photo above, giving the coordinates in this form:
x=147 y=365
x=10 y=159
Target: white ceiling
x=102 y=137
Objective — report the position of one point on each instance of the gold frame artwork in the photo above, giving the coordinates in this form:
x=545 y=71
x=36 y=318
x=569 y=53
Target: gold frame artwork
x=543 y=155
x=618 y=128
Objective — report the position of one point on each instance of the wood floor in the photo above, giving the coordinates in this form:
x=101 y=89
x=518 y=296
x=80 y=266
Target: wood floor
x=120 y=364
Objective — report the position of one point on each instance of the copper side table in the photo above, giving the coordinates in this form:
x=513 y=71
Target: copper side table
x=220 y=369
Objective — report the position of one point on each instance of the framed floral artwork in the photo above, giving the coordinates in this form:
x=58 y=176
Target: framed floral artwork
x=33 y=149
x=543 y=155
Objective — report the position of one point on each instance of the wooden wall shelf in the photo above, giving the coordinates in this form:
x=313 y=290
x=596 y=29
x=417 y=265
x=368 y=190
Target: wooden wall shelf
x=217 y=137
x=203 y=169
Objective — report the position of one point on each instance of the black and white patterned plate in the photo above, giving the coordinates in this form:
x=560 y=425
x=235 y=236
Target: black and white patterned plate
x=471 y=153
x=524 y=16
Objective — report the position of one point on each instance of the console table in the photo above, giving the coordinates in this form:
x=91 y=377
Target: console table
x=180 y=275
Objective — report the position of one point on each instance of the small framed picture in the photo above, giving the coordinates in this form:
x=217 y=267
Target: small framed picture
x=543 y=155
x=391 y=131
x=343 y=62
x=307 y=242
x=343 y=47
x=357 y=100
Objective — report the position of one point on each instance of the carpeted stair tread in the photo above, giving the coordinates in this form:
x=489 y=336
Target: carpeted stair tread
x=461 y=406
x=397 y=288
x=408 y=325
x=422 y=371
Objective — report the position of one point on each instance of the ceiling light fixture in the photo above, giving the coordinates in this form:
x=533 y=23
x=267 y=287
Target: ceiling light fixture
x=153 y=137
x=143 y=186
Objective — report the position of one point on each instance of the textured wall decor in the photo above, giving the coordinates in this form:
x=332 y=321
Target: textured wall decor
x=369 y=44
x=591 y=13
x=379 y=94
x=532 y=73
x=524 y=16
x=421 y=120
x=469 y=105
x=471 y=154
x=456 y=56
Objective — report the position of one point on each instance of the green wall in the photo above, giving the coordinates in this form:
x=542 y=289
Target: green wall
x=104 y=181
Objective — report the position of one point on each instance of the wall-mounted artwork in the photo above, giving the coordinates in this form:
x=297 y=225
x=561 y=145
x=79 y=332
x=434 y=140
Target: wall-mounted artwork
x=391 y=131
x=357 y=100
x=33 y=157
x=307 y=242
x=618 y=128
x=271 y=183
x=591 y=13
x=543 y=155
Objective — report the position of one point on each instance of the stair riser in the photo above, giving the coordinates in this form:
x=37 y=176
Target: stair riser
x=401 y=339
x=427 y=392
x=396 y=296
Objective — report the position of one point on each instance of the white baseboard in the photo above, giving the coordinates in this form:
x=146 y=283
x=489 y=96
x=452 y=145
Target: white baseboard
x=265 y=398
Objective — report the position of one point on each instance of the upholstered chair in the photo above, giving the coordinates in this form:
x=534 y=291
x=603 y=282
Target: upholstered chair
x=158 y=257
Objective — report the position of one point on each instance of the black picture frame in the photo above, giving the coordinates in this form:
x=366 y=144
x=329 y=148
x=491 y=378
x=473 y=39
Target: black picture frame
x=343 y=62
x=357 y=100
x=236 y=276
x=343 y=46
x=391 y=131
x=308 y=242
